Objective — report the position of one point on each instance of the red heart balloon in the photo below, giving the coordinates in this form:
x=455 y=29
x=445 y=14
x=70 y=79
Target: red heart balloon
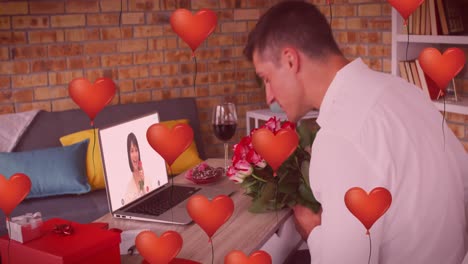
x=368 y=208
x=193 y=29
x=170 y=143
x=405 y=7
x=210 y=215
x=275 y=148
x=158 y=249
x=238 y=257
x=442 y=68
x=13 y=191
x=91 y=98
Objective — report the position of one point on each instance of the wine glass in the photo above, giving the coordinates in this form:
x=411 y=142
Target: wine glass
x=224 y=125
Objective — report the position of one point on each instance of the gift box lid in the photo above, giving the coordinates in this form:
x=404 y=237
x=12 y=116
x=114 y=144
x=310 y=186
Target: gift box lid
x=86 y=240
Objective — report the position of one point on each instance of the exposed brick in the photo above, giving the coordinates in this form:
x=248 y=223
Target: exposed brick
x=116 y=59
x=370 y=37
x=14 y=67
x=14 y=8
x=29 y=80
x=338 y=23
x=341 y=11
x=242 y=87
x=133 y=72
x=81 y=34
x=68 y=20
x=126 y=85
x=149 y=83
x=29 y=52
x=199 y=4
x=222 y=89
x=93 y=74
x=113 y=5
x=143 y=5
x=49 y=65
x=65 y=50
x=179 y=81
x=177 y=56
x=234 y=27
x=224 y=15
x=6 y=108
x=156 y=18
x=174 y=4
x=258 y=3
x=162 y=44
x=4 y=83
x=379 y=51
x=380 y=23
x=221 y=65
x=100 y=47
x=22 y=95
x=208 y=54
x=65 y=77
x=387 y=38
x=49 y=36
x=357 y=23
x=45 y=93
x=133 y=45
x=23 y=107
x=83 y=62
x=30 y=22
x=220 y=40
x=147 y=31
x=133 y=18
x=5 y=96
x=228 y=4
x=63 y=104
x=5 y=22
x=46 y=7
x=103 y=19
x=163 y=69
x=465 y=145
x=189 y=68
x=370 y=10
x=149 y=57
x=456 y=118
x=137 y=97
x=165 y=94
x=246 y=14
x=387 y=65
x=10 y=37
x=116 y=33
x=80 y=6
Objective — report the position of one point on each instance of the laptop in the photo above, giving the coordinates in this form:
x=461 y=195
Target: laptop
x=136 y=178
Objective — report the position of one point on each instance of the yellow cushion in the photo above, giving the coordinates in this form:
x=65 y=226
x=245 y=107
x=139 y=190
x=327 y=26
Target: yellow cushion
x=189 y=158
x=95 y=172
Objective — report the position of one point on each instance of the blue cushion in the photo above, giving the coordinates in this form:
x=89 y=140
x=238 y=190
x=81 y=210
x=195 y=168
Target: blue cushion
x=53 y=171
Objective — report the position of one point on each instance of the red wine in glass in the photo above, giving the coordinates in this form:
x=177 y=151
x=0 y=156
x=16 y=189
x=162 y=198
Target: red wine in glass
x=224 y=132
x=224 y=125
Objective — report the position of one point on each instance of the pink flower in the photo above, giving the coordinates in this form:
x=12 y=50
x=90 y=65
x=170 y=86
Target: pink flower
x=289 y=125
x=257 y=160
x=239 y=171
x=273 y=124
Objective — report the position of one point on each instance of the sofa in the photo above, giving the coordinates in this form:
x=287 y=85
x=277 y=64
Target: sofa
x=47 y=128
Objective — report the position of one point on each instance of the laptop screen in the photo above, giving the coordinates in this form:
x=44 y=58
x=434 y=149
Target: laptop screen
x=132 y=167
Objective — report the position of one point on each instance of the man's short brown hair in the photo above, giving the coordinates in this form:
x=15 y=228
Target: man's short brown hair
x=294 y=23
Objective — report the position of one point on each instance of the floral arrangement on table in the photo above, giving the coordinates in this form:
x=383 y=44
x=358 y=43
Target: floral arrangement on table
x=291 y=184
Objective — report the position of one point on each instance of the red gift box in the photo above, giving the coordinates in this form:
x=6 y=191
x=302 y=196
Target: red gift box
x=88 y=243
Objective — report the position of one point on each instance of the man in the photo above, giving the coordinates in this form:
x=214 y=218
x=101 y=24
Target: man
x=376 y=130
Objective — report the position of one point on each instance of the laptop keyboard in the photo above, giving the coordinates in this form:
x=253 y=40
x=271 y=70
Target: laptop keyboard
x=162 y=201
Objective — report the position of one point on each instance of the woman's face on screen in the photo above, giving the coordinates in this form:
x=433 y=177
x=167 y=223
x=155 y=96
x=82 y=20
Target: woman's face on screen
x=134 y=156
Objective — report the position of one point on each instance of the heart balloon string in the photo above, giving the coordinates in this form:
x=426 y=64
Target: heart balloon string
x=370 y=247
x=171 y=197
x=331 y=13
x=407 y=41
x=9 y=240
x=194 y=74
x=94 y=146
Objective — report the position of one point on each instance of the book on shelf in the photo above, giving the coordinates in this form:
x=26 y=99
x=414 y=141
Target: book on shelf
x=453 y=15
x=412 y=72
x=436 y=17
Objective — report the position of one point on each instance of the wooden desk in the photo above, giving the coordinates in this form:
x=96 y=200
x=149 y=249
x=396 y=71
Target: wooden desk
x=243 y=231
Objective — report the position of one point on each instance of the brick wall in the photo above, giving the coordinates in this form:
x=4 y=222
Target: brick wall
x=44 y=44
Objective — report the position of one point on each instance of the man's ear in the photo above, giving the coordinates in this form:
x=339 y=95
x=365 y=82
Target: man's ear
x=290 y=58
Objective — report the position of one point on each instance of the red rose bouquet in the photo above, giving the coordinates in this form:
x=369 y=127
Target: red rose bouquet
x=290 y=186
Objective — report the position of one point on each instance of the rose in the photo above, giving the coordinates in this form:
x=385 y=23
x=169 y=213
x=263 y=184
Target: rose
x=239 y=171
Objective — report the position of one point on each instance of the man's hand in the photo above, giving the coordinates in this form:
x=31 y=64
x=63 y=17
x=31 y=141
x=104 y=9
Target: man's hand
x=306 y=220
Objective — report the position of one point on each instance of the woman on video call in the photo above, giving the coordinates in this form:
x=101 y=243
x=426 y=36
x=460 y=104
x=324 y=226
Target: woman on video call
x=137 y=186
